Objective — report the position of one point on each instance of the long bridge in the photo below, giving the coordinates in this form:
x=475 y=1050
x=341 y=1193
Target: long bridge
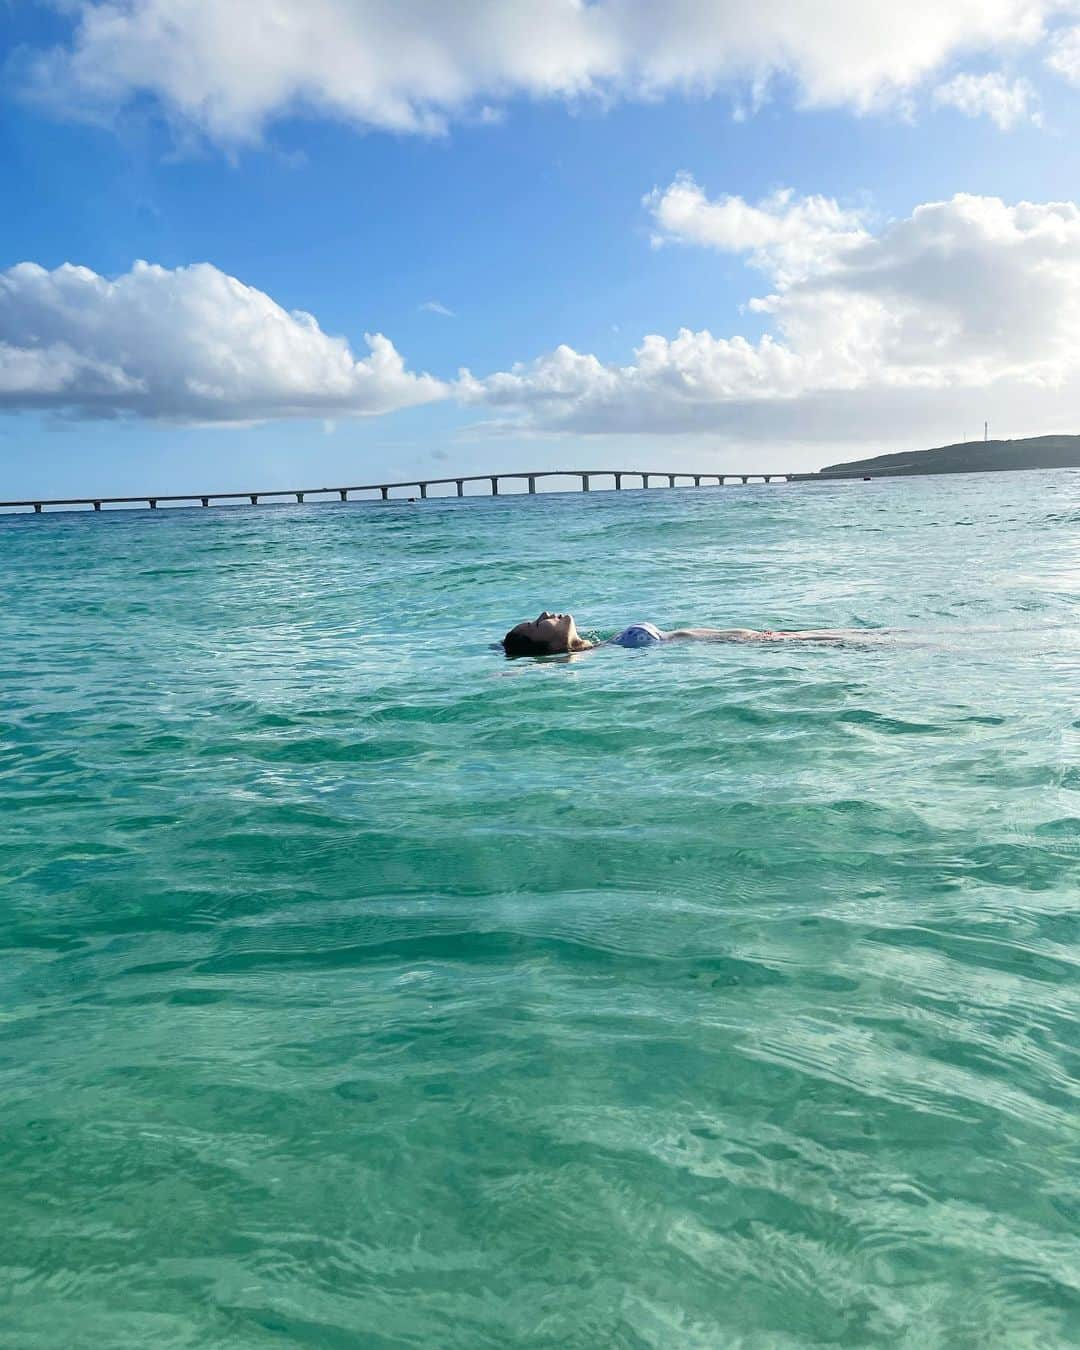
x=420 y=484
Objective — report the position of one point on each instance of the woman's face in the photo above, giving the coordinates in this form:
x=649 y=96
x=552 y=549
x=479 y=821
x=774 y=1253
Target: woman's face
x=556 y=631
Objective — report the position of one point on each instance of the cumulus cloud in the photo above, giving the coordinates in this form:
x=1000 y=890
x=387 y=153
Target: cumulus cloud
x=190 y=345
x=783 y=234
x=410 y=65
x=1064 y=57
x=1007 y=103
x=967 y=302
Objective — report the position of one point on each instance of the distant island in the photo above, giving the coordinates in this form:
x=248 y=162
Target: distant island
x=1034 y=452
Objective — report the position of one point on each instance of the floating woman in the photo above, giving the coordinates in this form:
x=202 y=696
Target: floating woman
x=554 y=634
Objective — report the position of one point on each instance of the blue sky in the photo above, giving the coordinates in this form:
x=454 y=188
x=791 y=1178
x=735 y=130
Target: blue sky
x=507 y=184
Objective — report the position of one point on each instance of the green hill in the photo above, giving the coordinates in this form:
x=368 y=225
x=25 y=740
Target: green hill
x=1035 y=452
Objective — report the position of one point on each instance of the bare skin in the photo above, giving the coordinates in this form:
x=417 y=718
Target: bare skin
x=557 y=632
x=758 y=634
x=554 y=634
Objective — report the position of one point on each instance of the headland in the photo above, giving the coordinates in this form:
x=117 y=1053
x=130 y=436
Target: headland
x=1032 y=452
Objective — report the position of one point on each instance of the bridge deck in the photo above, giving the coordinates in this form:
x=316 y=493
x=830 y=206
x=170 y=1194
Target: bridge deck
x=421 y=484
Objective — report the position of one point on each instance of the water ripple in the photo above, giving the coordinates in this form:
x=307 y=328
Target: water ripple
x=361 y=987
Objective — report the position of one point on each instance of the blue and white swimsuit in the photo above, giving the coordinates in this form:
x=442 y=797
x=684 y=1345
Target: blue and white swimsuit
x=638 y=635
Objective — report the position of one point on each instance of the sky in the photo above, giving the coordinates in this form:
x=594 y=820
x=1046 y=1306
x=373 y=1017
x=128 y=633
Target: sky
x=344 y=241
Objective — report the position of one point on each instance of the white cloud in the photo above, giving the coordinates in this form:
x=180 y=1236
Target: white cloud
x=1064 y=55
x=434 y=307
x=784 y=234
x=1006 y=103
x=968 y=303
x=410 y=65
x=187 y=345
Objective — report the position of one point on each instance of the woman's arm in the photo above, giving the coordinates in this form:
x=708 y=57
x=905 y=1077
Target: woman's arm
x=765 y=635
x=715 y=634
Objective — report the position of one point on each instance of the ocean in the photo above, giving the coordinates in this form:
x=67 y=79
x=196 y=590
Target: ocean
x=360 y=987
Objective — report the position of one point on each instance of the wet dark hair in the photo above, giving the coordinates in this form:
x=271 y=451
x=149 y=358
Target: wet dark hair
x=517 y=644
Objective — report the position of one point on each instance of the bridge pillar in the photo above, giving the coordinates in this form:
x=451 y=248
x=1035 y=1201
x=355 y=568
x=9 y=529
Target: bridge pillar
x=697 y=480
x=584 y=482
x=671 y=480
x=618 y=482
x=494 y=485
x=768 y=478
x=300 y=497
x=423 y=489
x=644 y=480
x=460 y=488
x=343 y=494
x=97 y=506
x=385 y=492
x=205 y=501
x=153 y=503
x=37 y=508
x=745 y=478
x=254 y=499
x=532 y=482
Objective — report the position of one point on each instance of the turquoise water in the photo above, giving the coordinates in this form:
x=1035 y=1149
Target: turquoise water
x=362 y=988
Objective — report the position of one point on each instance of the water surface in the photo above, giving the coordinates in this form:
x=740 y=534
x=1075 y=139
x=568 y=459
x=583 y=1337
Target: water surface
x=359 y=987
